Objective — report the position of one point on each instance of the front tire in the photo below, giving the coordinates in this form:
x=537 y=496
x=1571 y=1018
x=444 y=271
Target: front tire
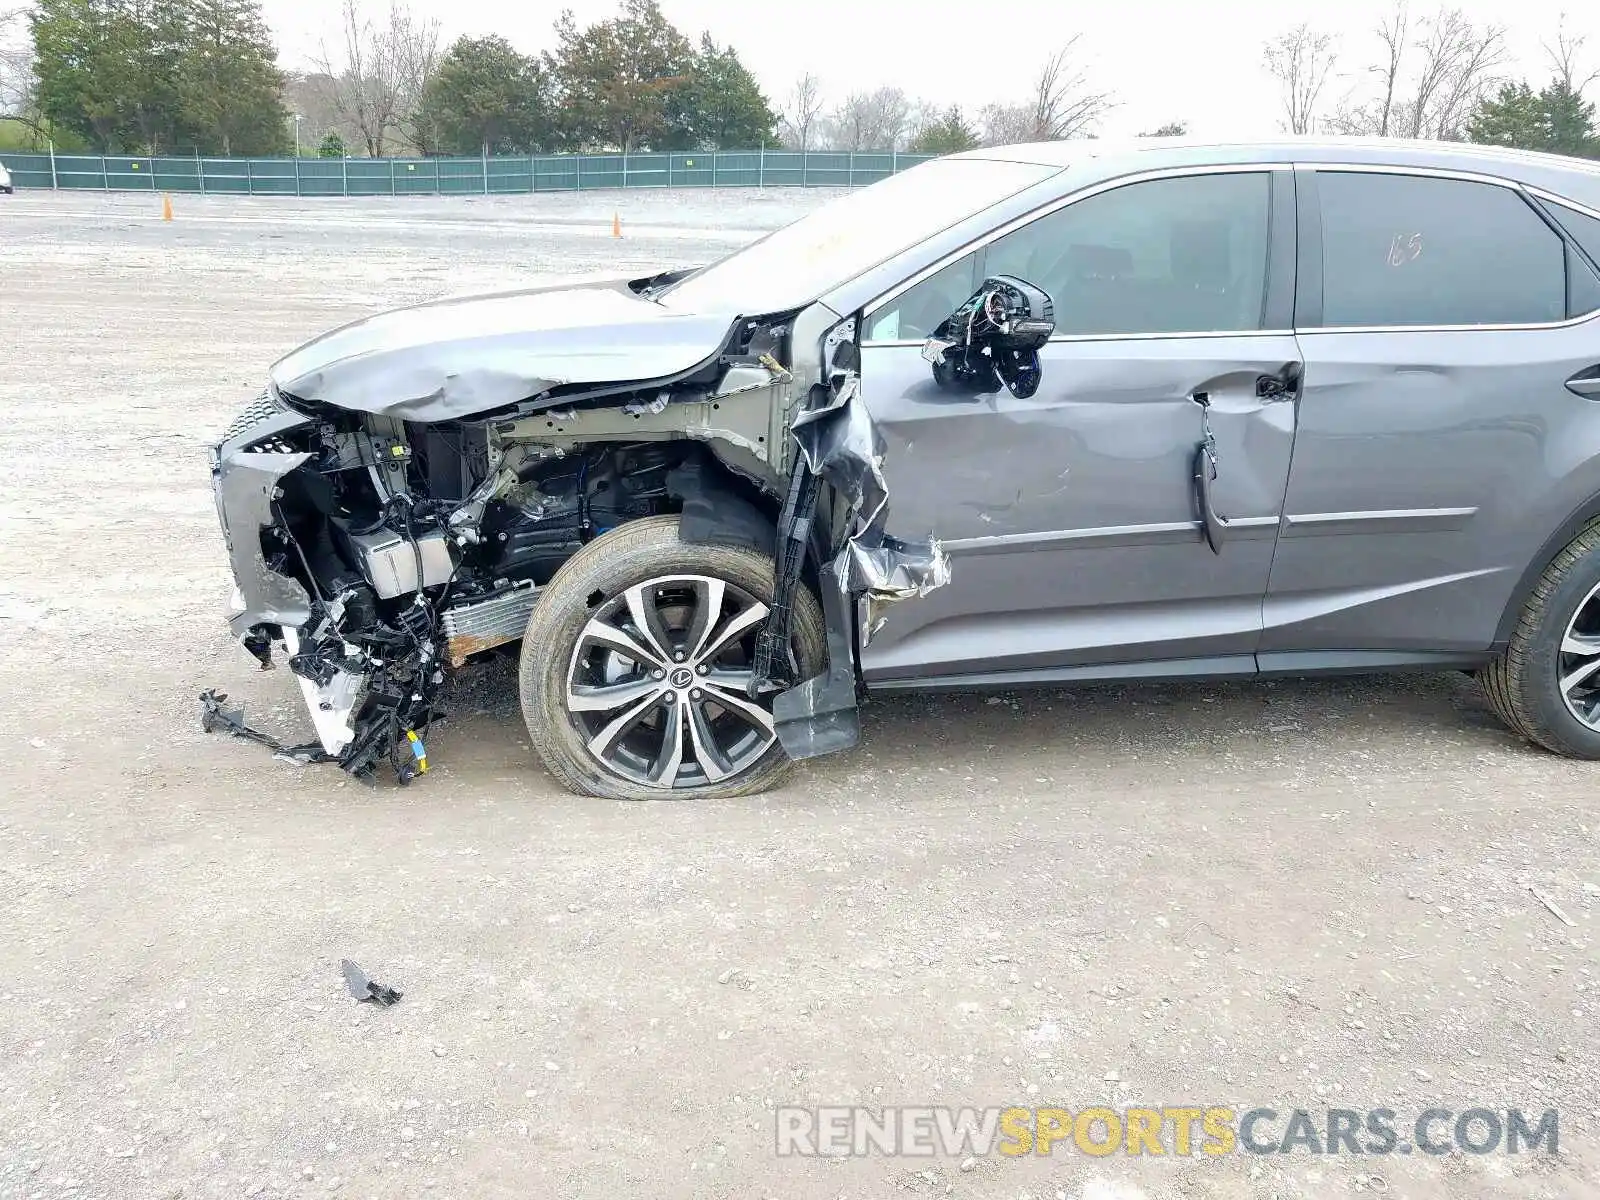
x=1546 y=685
x=635 y=661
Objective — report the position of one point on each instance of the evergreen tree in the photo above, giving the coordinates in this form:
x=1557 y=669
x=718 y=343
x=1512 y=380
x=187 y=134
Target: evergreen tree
x=950 y=134
x=230 y=82
x=486 y=94
x=1557 y=120
x=719 y=107
x=154 y=76
x=615 y=76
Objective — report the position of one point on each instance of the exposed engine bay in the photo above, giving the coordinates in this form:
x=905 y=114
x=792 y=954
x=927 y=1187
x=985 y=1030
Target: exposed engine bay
x=379 y=552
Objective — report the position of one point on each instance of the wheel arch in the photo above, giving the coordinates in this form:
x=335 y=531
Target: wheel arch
x=1580 y=517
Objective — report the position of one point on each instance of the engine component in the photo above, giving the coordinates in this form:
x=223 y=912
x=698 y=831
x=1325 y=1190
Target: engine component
x=485 y=624
x=390 y=561
x=563 y=502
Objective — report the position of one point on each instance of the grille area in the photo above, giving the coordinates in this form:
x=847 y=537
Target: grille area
x=472 y=628
x=257 y=411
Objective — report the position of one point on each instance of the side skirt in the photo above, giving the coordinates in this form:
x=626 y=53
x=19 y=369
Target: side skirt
x=1276 y=664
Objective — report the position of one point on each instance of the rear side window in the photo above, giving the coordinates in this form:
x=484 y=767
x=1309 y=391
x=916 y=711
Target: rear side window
x=1404 y=250
x=1584 y=229
x=1583 y=285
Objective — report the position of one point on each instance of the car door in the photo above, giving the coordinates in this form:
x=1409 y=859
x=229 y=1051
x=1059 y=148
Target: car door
x=1071 y=516
x=1441 y=317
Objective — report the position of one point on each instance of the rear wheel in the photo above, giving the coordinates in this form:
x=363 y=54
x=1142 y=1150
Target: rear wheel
x=1546 y=685
x=636 y=662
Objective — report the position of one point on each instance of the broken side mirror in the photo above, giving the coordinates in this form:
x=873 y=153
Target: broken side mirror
x=994 y=339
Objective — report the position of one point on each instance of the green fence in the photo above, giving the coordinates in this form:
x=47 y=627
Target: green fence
x=453 y=176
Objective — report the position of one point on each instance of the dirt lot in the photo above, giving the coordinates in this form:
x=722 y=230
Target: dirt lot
x=1293 y=895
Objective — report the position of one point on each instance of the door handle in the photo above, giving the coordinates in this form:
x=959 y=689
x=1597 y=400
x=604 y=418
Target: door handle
x=1586 y=383
x=1212 y=523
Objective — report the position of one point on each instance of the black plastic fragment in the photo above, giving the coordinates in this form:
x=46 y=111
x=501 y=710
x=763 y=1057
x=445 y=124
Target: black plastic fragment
x=713 y=514
x=214 y=717
x=364 y=988
x=820 y=715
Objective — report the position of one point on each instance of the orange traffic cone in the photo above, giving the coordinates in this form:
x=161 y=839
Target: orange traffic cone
x=166 y=208
x=616 y=225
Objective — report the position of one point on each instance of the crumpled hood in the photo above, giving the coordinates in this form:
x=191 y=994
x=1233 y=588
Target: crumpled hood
x=463 y=356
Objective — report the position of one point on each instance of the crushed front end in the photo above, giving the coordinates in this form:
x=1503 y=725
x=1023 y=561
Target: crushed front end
x=376 y=546
x=336 y=562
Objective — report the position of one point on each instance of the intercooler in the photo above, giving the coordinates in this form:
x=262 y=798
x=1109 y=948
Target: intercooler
x=472 y=628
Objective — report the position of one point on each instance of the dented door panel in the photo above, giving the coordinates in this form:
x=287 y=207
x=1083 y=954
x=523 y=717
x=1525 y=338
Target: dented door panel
x=1070 y=517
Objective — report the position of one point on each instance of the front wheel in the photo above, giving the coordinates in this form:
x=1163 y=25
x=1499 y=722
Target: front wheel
x=1546 y=685
x=636 y=661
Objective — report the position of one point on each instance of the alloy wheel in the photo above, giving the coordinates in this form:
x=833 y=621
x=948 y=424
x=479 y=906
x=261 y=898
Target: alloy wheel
x=1578 y=664
x=657 y=683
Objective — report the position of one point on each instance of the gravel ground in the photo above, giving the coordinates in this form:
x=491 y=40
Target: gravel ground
x=1297 y=894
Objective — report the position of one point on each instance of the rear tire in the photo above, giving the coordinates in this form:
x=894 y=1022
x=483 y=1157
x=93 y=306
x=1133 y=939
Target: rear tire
x=686 y=610
x=1546 y=684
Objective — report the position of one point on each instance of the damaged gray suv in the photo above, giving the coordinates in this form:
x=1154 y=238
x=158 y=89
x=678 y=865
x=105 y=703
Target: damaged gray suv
x=1033 y=415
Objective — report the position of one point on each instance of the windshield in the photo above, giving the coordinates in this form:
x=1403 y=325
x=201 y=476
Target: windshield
x=851 y=235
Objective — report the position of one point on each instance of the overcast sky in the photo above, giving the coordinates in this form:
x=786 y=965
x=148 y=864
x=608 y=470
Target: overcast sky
x=1164 y=59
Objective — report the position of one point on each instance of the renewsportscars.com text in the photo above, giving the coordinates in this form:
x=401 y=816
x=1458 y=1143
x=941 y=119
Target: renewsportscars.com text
x=1178 y=1130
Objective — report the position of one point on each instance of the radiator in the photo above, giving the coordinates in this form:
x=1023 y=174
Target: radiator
x=473 y=628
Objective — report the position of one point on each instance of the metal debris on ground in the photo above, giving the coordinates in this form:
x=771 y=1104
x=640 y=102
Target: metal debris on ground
x=1551 y=905
x=364 y=988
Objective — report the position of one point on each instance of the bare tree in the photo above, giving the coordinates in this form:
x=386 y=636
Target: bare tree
x=1301 y=60
x=1005 y=124
x=921 y=115
x=869 y=120
x=379 y=77
x=1566 y=58
x=16 y=70
x=1393 y=34
x=801 y=110
x=1063 y=104
x=1060 y=105
x=1432 y=73
x=1459 y=61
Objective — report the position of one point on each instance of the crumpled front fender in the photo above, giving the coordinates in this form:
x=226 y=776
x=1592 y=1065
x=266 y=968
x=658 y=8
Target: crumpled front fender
x=245 y=484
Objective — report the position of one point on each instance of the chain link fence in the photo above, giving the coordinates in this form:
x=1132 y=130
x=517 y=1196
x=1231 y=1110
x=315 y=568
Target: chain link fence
x=500 y=175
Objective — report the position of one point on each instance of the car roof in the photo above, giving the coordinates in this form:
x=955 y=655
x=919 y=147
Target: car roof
x=1108 y=158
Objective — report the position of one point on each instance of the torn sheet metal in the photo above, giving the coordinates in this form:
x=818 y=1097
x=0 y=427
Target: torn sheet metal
x=246 y=485
x=363 y=987
x=839 y=442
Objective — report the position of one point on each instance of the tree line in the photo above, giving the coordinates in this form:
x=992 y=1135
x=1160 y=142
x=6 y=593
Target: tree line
x=202 y=76
x=635 y=82
x=1440 y=76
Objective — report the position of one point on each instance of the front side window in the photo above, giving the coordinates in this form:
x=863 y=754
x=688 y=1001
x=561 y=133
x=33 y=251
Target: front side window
x=1407 y=250
x=916 y=312
x=1179 y=255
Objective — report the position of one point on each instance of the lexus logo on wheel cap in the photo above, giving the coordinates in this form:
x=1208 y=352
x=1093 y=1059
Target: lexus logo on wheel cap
x=682 y=677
